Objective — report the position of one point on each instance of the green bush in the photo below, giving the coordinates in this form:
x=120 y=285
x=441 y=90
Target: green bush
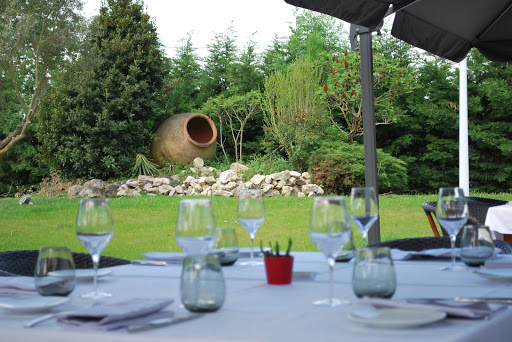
x=338 y=166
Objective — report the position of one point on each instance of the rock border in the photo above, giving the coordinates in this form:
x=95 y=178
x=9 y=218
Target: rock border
x=204 y=182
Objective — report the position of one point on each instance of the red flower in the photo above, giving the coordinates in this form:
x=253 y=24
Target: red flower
x=346 y=64
x=325 y=86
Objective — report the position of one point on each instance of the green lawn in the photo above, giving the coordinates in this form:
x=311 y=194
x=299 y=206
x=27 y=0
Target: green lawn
x=146 y=223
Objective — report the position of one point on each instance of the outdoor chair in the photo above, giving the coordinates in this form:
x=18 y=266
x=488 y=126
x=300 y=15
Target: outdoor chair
x=477 y=207
x=423 y=243
x=23 y=262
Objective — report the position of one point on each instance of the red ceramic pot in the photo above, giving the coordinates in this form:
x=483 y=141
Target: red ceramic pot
x=279 y=270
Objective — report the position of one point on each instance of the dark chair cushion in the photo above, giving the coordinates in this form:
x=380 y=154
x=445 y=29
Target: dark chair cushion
x=422 y=243
x=23 y=262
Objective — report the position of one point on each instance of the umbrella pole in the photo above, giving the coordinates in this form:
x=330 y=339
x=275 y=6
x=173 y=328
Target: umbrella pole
x=370 y=138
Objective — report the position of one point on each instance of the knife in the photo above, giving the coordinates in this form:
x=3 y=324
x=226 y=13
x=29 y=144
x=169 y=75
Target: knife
x=149 y=262
x=484 y=299
x=161 y=322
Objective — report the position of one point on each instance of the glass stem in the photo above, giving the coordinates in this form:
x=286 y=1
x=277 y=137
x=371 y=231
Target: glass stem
x=252 y=241
x=95 y=264
x=331 y=262
x=365 y=243
x=452 y=243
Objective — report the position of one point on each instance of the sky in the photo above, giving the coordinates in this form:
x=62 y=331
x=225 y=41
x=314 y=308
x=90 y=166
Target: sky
x=203 y=18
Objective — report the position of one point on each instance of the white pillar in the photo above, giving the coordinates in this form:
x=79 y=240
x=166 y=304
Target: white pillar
x=463 y=128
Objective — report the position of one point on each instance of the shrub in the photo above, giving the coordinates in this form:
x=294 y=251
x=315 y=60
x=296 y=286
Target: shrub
x=338 y=166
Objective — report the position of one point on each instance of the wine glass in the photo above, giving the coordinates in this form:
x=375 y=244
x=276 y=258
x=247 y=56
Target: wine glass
x=330 y=232
x=195 y=227
x=94 y=229
x=363 y=210
x=452 y=214
x=251 y=214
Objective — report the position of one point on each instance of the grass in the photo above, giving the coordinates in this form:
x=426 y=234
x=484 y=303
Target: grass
x=146 y=223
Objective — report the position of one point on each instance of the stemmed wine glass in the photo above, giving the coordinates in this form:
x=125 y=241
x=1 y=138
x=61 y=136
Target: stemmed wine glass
x=195 y=227
x=452 y=214
x=330 y=232
x=251 y=214
x=363 y=210
x=94 y=229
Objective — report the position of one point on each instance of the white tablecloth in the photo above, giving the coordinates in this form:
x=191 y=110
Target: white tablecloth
x=255 y=311
x=499 y=219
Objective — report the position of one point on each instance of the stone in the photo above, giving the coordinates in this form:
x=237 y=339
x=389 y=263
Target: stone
x=164 y=189
x=286 y=191
x=312 y=188
x=228 y=176
x=111 y=190
x=295 y=174
x=222 y=193
x=143 y=180
x=279 y=185
x=269 y=179
x=210 y=180
x=257 y=179
x=160 y=181
x=273 y=193
x=306 y=175
x=301 y=194
x=198 y=162
x=292 y=181
x=74 y=191
x=132 y=183
x=300 y=181
x=284 y=175
x=179 y=189
x=92 y=189
x=266 y=188
x=238 y=167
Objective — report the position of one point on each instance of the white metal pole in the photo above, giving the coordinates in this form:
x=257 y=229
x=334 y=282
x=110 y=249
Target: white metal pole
x=463 y=128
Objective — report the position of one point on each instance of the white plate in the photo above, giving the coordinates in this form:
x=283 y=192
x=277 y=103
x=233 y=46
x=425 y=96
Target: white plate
x=245 y=252
x=32 y=303
x=399 y=318
x=170 y=257
x=496 y=273
x=83 y=274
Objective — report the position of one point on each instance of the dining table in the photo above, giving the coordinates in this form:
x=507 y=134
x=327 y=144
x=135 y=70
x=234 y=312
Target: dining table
x=256 y=311
x=499 y=221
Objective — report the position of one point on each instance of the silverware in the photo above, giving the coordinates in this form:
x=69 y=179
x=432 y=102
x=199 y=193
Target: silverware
x=149 y=262
x=484 y=299
x=161 y=322
x=43 y=318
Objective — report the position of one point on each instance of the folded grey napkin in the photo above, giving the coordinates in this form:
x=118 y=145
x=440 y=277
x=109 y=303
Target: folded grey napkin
x=450 y=307
x=117 y=315
x=17 y=286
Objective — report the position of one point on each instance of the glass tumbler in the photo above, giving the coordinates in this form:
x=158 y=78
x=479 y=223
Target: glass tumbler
x=54 y=274
x=226 y=245
x=202 y=287
x=374 y=274
x=476 y=245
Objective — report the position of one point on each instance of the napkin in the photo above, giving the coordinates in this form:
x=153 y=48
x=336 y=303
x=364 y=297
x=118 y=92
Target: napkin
x=168 y=257
x=450 y=307
x=500 y=261
x=17 y=286
x=117 y=315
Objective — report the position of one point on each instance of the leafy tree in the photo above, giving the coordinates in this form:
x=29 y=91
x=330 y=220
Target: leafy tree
x=35 y=37
x=247 y=72
x=343 y=95
x=232 y=114
x=103 y=116
x=185 y=74
x=217 y=75
x=293 y=112
x=490 y=124
x=427 y=137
